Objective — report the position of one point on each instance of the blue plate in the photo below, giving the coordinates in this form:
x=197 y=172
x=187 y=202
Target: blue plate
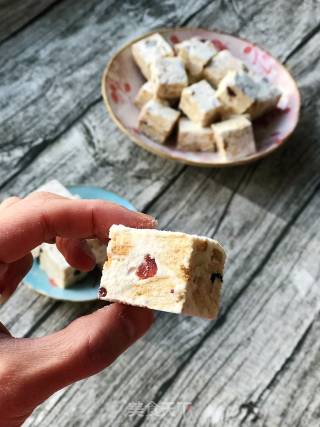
x=87 y=289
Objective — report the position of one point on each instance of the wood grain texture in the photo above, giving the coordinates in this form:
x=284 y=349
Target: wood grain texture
x=15 y=14
x=252 y=365
x=77 y=158
x=55 y=65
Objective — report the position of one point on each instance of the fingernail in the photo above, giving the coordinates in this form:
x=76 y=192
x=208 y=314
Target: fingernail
x=3 y=270
x=150 y=220
x=2 y=299
x=154 y=222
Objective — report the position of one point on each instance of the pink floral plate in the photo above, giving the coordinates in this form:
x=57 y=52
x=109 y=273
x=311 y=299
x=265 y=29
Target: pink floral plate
x=122 y=80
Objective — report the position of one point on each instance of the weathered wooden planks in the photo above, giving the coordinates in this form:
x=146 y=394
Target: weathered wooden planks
x=260 y=332
x=14 y=15
x=52 y=69
x=296 y=387
x=72 y=160
x=77 y=156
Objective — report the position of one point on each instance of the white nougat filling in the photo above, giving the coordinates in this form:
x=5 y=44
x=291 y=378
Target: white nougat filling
x=163 y=270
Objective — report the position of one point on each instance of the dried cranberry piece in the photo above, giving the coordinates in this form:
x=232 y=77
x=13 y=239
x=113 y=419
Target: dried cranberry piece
x=148 y=268
x=53 y=282
x=127 y=87
x=174 y=39
x=102 y=292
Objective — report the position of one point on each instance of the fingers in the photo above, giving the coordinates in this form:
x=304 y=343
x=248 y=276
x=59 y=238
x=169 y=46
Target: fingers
x=12 y=276
x=85 y=347
x=9 y=202
x=77 y=253
x=40 y=218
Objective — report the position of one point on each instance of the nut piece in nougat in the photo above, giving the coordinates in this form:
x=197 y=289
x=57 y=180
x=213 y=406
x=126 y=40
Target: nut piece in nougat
x=195 y=54
x=168 y=77
x=200 y=103
x=157 y=120
x=146 y=92
x=193 y=137
x=234 y=137
x=163 y=270
x=145 y=51
x=219 y=66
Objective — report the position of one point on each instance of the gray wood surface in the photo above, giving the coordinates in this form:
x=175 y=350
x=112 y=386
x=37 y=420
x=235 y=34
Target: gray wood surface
x=258 y=364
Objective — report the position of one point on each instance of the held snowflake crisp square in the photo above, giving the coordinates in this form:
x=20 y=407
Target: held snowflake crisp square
x=163 y=270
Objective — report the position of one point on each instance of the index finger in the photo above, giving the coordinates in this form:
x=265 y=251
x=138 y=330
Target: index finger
x=32 y=221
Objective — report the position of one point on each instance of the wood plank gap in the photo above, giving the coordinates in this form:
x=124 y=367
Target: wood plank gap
x=221 y=320
x=302 y=415
x=234 y=6
x=302 y=43
x=38 y=149
x=31 y=21
x=164 y=189
x=186 y=21
x=227 y=205
x=42 y=318
x=268 y=255
x=219 y=389
x=248 y=406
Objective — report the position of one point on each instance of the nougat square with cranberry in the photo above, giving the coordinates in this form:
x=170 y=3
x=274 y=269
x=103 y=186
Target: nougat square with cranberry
x=163 y=270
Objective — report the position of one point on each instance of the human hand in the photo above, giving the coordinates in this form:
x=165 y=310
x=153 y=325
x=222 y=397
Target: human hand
x=33 y=369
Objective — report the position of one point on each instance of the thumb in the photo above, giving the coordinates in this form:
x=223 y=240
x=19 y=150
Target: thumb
x=85 y=347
